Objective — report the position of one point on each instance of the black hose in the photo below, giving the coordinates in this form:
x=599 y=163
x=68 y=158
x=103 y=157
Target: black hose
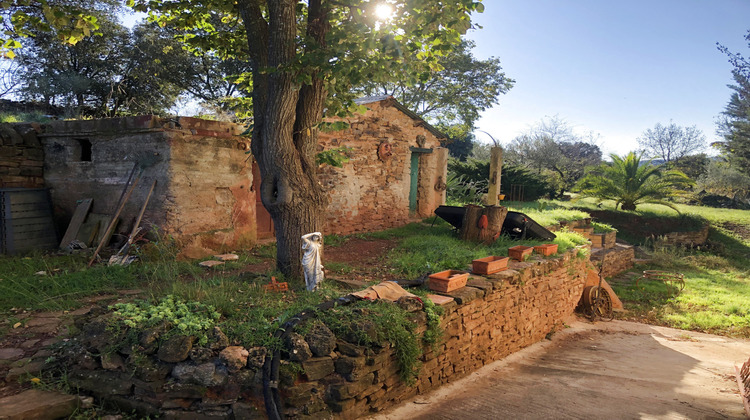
x=271 y=396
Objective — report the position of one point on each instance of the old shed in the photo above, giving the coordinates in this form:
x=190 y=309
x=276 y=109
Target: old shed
x=206 y=183
x=203 y=196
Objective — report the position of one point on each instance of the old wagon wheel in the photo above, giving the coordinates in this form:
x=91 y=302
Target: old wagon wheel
x=597 y=303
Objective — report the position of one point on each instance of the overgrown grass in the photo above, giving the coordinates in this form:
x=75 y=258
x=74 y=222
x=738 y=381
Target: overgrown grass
x=61 y=282
x=716 y=298
x=425 y=248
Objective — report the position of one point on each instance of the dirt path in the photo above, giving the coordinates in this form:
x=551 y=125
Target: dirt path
x=616 y=370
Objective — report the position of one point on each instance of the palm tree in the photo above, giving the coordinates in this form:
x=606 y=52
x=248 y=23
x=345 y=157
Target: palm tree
x=629 y=182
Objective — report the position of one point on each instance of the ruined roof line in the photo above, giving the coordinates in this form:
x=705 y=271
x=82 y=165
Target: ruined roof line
x=389 y=100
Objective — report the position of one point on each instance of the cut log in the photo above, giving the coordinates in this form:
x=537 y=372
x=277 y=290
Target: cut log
x=475 y=229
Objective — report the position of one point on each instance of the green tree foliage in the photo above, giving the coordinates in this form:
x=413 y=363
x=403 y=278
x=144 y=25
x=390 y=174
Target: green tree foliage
x=114 y=72
x=21 y=19
x=723 y=179
x=452 y=95
x=474 y=173
x=460 y=147
x=630 y=182
x=671 y=142
x=735 y=124
x=554 y=149
x=694 y=166
x=306 y=56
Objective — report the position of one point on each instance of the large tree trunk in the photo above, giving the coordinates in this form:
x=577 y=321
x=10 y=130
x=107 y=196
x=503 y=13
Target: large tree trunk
x=285 y=133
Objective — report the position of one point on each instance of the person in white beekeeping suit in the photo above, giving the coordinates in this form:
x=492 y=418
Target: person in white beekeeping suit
x=311 y=264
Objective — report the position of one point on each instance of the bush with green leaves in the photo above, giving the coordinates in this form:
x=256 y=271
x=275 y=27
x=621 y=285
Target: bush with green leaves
x=174 y=315
x=534 y=185
x=602 y=227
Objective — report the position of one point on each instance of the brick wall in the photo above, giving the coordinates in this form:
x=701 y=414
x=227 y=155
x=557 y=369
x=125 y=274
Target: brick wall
x=21 y=156
x=371 y=192
x=490 y=318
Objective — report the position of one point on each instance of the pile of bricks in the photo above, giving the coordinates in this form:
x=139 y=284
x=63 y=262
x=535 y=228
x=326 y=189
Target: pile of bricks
x=21 y=156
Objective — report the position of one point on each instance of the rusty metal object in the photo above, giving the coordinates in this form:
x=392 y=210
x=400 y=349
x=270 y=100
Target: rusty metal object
x=385 y=151
x=440 y=185
x=671 y=279
x=597 y=303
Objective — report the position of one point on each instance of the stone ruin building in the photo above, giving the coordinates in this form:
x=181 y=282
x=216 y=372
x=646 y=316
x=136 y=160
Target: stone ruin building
x=206 y=181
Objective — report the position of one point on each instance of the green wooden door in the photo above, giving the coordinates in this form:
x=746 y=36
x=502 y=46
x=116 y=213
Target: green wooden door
x=414 y=183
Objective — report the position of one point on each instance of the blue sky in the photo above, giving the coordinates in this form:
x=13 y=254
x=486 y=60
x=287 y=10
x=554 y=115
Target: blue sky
x=615 y=68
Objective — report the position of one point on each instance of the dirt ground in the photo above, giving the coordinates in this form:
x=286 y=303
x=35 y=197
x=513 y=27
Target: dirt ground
x=606 y=370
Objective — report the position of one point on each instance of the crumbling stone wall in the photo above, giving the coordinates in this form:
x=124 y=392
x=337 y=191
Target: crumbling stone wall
x=371 y=190
x=21 y=156
x=490 y=318
x=203 y=194
x=684 y=238
x=616 y=260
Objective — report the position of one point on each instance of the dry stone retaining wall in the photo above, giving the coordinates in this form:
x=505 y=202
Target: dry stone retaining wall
x=491 y=318
x=21 y=156
x=684 y=238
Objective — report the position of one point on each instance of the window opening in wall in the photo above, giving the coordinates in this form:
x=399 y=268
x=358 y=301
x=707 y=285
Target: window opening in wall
x=85 y=150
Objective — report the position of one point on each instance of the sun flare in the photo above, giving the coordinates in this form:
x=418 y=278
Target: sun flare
x=383 y=11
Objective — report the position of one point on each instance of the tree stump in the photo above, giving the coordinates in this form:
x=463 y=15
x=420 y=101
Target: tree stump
x=482 y=224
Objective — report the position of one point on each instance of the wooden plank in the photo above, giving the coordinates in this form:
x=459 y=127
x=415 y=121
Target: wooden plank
x=75 y=223
x=24 y=197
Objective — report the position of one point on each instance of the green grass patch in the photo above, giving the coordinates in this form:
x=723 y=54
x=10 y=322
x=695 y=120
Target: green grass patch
x=436 y=248
x=716 y=298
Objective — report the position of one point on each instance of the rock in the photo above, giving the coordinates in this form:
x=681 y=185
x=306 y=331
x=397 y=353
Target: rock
x=362 y=328
x=201 y=354
x=39 y=405
x=256 y=357
x=113 y=361
x=347 y=365
x=30 y=343
x=205 y=374
x=410 y=303
x=217 y=339
x=298 y=349
x=321 y=340
x=234 y=357
x=31 y=368
x=210 y=263
x=148 y=369
x=299 y=395
x=318 y=368
x=346 y=390
x=176 y=348
x=95 y=336
x=11 y=353
x=246 y=411
x=149 y=339
x=101 y=382
x=86 y=402
x=349 y=349
x=227 y=257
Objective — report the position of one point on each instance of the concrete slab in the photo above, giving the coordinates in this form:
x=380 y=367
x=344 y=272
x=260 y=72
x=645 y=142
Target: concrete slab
x=606 y=370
